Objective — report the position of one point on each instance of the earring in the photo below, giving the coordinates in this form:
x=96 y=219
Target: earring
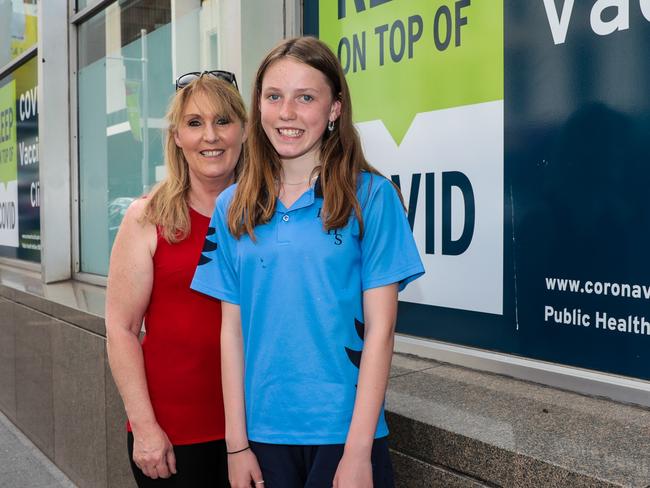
x=330 y=125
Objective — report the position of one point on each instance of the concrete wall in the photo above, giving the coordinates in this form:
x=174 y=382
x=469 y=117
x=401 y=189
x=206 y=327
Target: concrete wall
x=56 y=386
x=450 y=426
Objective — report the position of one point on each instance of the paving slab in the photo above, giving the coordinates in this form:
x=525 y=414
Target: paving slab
x=23 y=465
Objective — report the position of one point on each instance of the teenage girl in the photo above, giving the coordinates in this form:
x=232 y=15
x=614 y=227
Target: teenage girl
x=312 y=246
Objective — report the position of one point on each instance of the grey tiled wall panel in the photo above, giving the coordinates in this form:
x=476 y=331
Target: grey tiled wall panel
x=117 y=457
x=412 y=473
x=34 y=405
x=79 y=415
x=56 y=386
x=7 y=359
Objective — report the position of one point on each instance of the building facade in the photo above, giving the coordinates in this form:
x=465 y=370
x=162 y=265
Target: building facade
x=517 y=132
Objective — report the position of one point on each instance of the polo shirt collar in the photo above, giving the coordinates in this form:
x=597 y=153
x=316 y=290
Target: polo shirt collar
x=305 y=200
x=318 y=189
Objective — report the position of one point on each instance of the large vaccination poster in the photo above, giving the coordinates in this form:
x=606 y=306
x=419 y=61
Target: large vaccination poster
x=519 y=134
x=19 y=165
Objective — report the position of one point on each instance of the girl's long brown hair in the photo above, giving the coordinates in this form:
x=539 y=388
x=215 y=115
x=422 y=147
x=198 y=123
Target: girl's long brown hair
x=167 y=206
x=341 y=156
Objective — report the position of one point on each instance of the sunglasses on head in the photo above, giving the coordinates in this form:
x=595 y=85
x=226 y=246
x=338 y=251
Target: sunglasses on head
x=183 y=80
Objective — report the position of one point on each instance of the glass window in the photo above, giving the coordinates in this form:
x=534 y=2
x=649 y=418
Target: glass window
x=82 y=4
x=128 y=58
x=19 y=184
x=18 y=24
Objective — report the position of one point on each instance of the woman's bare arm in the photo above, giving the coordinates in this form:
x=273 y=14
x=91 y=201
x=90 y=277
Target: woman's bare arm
x=130 y=280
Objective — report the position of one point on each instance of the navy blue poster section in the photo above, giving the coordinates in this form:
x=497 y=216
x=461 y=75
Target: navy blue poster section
x=576 y=180
x=310 y=17
x=577 y=155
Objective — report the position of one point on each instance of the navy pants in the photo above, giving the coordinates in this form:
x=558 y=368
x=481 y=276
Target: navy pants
x=290 y=466
x=197 y=465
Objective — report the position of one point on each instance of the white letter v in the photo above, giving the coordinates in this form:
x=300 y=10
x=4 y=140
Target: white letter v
x=559 y=25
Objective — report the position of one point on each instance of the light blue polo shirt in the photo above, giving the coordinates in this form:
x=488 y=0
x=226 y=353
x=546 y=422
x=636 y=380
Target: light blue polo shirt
x=300 y=290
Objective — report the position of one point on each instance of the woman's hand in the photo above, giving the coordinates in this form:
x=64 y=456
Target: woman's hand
x=244 y=471
x=353 y=472
x=153 y=453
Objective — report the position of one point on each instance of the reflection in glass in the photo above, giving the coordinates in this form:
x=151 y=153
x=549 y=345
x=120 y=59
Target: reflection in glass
x=82 y=4
x=128 y=57
x=18 y=28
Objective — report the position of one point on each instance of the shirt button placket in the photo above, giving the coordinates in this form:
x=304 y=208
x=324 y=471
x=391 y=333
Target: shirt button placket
x=283 y=230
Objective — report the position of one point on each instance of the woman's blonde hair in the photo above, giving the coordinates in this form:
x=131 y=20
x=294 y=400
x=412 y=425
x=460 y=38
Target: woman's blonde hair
x=167 y=206
x=341 y=156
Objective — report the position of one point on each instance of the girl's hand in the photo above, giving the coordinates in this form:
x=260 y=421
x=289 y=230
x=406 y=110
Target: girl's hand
x=353 y=472
x=244 y=471
x=153 y=453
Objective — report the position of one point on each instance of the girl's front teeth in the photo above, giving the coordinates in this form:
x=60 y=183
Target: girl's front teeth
x=290 y=132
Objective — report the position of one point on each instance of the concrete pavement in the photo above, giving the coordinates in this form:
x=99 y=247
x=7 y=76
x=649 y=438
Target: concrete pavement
x=23 y=465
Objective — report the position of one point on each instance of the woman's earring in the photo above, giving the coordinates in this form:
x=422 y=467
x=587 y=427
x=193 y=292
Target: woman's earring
x=330 y=125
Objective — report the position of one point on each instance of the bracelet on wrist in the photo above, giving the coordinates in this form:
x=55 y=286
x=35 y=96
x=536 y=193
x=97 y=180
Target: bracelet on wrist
x=237 y=452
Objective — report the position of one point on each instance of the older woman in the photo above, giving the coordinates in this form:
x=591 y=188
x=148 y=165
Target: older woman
x=170 y=383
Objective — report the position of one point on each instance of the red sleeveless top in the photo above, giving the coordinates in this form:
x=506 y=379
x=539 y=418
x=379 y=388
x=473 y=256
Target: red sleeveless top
x=181 y=346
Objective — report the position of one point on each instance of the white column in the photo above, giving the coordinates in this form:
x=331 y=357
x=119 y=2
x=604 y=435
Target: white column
x=293 y=18
x=54 y=139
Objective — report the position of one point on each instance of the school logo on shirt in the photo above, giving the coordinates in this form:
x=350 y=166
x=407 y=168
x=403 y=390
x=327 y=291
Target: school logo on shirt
x=338 y=237
x=208 y=246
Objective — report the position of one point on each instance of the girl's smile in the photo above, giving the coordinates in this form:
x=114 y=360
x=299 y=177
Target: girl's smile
x=296 y=105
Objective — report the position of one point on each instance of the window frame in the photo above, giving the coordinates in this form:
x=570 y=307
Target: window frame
x=54 y=147
x=75 y=21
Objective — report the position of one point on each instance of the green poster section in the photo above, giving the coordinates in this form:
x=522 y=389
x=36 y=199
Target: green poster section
x=8 y=166
x=404 y=57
